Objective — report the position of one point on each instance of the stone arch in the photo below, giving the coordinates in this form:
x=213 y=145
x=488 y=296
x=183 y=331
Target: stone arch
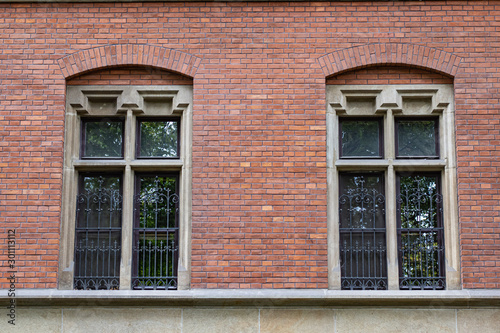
x=128 y=54
x=391 y=54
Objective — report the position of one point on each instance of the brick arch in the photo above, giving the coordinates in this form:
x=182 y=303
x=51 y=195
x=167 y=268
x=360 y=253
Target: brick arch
x=128 y=54
x=389 y=54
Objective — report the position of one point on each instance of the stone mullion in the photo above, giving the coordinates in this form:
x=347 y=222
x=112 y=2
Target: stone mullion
x=128 y=205
x=334 y=278
x=391 y=220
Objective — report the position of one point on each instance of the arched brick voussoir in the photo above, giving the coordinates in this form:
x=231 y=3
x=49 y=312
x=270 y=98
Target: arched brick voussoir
x=389 y=54
x=128 y=54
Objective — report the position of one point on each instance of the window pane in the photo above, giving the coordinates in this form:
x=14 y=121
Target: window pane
x=103 y=138
x=99 y=202
x=421 y=249
x=360 y=138
x=155 y=247
x=98 y=233
x=159 y=139
x=362 y=232
x=156 y=261
x=417 y=138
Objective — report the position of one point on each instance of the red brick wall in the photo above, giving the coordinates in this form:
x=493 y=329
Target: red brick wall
x=259 y=177
x=129 y=76
x=390 y=75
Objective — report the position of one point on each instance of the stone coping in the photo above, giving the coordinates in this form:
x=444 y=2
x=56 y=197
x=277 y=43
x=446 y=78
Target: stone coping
x=255 y=297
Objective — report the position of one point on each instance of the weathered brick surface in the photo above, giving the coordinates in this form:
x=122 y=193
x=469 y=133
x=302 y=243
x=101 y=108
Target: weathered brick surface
x=131 y=76
x=258 y=70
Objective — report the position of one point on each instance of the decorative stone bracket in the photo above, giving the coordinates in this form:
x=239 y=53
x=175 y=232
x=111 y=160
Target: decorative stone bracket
x=112 y=100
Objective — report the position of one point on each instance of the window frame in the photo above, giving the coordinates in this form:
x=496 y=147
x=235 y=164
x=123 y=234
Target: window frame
x=387 y=101
x=439 y=227
x=380 y=122
x=137 y=230
x=437 y=145
x=129 y=102
x=97 y=230
x=156 y=119
x=83 y=138
x=363 y=282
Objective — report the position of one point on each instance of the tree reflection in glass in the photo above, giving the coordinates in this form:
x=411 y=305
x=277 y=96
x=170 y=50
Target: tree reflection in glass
x=159 y=139
x=103 y=138
x=421 y=249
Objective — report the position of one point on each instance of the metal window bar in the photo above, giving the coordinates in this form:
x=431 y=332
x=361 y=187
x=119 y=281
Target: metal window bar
x=98 y=245
x=420 y=230
x=362 y=248
x=155 y=247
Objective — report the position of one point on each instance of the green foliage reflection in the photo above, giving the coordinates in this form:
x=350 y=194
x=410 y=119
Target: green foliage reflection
x=158 y=202
x=159 y=139
x=103 y=139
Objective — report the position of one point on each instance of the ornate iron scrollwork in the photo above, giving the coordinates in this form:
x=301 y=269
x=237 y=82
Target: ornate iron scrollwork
x=98 y=246
x=421 y=249
x=362 y=232
x=155 y=247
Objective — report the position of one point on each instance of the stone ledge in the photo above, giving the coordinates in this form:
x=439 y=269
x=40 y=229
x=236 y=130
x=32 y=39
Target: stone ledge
x=255 y=297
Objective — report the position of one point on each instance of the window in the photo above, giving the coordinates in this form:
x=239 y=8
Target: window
x=392 y=188
x=362 y=231
x=128 y=179
x=420 y=231
x=361 y=138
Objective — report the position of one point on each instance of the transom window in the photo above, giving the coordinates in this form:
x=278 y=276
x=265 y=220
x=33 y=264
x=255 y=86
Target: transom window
x=128 y=181
x=361 y=138
x=393 y=189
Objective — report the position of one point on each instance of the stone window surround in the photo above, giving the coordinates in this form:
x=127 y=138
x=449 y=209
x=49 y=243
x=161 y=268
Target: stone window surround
x=127 y=102
x=389 y=101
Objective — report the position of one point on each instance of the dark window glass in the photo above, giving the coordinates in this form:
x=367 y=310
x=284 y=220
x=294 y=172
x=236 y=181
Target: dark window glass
x=98 y=232
x=361 y=138
x=417 y=138
x=102 y=138
x=155 y=247
x=362 y=231
x=158 y=139
x=420 y=231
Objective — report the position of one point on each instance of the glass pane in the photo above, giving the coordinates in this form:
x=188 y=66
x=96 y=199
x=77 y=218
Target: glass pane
x=159 y=139
x=155 y=256
x=360 y=138
x=421 y=251
x=99 y=202
x=98 y=232
x=103 y=139
x=97 y=260
x=420 y=201
x=362 y=232
x=362 y=201
x=158 y=202
x=155 y=233
x=416 y=138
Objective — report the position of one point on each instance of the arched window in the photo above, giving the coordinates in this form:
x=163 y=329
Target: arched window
x=392 y=186
x=127 y=181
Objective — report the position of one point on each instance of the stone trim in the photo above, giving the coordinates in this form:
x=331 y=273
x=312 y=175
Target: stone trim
x=127 y=101
x=388 y=101
x=389 y=54
x=126 y=55
x=255 y=297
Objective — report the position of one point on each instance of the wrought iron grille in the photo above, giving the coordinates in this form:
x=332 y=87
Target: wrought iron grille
x=362 y=232
x=98 y=233
x=420 y=230
x=155 y=247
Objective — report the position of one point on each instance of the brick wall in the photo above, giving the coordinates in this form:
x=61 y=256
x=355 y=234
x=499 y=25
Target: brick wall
x=258 y=69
